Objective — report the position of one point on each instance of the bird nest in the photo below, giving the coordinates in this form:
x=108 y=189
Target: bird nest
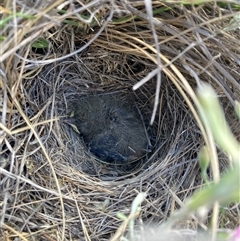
x=168 y=135
x=52 y=185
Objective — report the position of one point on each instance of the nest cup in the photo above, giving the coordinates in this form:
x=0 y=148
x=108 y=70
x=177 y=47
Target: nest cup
x=71 y=86
x=76 y=88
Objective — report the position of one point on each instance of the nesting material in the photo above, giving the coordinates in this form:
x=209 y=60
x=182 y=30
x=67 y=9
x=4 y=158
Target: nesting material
x=112 y=127
x=51 y=188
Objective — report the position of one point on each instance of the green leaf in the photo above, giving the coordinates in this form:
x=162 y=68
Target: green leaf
x=227 y=190
x=237 y=108
x=217 y=122
x=40 y=43
x=11 y=16
x=204 y=160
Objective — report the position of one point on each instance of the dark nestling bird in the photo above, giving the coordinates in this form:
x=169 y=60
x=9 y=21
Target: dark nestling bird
x=111 y=127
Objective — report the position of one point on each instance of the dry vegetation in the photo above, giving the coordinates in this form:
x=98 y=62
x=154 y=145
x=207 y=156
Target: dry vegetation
x=53 y=52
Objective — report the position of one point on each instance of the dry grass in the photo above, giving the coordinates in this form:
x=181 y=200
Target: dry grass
x=51 y=188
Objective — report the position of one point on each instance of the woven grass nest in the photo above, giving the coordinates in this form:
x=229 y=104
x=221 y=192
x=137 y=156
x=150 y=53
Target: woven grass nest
x=52 y=188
